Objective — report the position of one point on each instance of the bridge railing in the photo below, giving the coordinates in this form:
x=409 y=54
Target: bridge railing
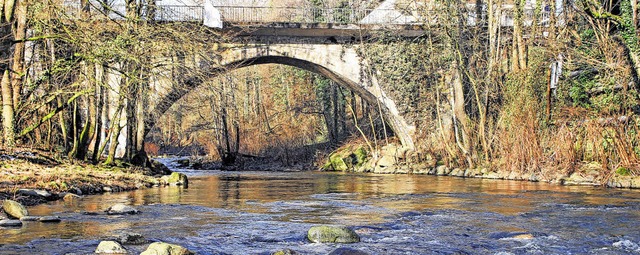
x=147 y=12
x=263 y=15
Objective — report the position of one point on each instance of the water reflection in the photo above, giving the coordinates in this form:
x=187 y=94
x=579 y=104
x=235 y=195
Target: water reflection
x=238 y=209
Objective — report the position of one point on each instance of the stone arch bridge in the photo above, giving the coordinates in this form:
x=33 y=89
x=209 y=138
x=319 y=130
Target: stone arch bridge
x=323 y=41
x=338 y=62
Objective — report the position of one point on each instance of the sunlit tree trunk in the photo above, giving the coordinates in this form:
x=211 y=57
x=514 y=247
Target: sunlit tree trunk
x=518 y=55
x=19 y=34
x=7 y=111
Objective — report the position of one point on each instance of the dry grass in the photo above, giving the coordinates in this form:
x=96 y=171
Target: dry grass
x=65 y=177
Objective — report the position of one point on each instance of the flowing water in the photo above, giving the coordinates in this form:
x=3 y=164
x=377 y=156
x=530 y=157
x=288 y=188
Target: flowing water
x=262 y=212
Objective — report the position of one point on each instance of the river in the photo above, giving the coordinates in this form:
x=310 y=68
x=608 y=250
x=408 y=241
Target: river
x=262 y=212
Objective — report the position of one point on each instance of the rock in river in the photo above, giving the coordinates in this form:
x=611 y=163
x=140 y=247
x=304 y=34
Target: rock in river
x=131 y=239
x=14 y=209
x=285 y=252
x=10 y=223
x=178 y=179
x=35 y=193
x=347 y=251
x=120 y=209
x=332 y=234
x=110 y=247
x=49 y=219
x=160 y=248
x=30 y=218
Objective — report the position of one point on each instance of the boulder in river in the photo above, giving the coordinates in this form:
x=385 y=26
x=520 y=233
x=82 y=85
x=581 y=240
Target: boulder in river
x=120 y=209
x=14 y=209
x=178 y=179
x=347 y=251
x=160 y=248
x=285 y=252
x=332 y=234
x=110 y=247
x=10 y=223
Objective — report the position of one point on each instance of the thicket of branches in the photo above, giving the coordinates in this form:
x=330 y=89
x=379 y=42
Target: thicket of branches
x=85 y=76
x=481 y=92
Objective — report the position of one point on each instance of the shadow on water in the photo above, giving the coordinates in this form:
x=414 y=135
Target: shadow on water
x=261 y=212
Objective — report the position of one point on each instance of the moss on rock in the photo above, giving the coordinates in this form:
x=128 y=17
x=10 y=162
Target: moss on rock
x=346 y=159
x=178 y=179
x=332 y=234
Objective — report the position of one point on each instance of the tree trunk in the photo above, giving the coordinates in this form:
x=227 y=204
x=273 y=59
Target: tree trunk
x=334 y=113
x=99 y=108
x=8 y=10
x=63 y=126
x=634 y=9
x=75 y=126
x=518 y=57
x=130 y=147
x=88 y=129
x=114 y=130
x=19 y=35
x=8 y=122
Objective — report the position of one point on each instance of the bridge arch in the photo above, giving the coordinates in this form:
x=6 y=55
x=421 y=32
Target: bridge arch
x=339 y=63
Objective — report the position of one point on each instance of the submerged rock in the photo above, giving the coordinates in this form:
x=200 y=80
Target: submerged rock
x=110 y=247
x=14 y=209
x=347 y=251
x=131 y=239
x=332 y=234
x=120 y=209
x=178 y=179
x=70 y=197
x=160 y=248
x=10 y=223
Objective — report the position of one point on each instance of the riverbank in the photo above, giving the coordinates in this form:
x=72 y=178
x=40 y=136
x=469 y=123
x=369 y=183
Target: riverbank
x=395 y=159
x=32 y=177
